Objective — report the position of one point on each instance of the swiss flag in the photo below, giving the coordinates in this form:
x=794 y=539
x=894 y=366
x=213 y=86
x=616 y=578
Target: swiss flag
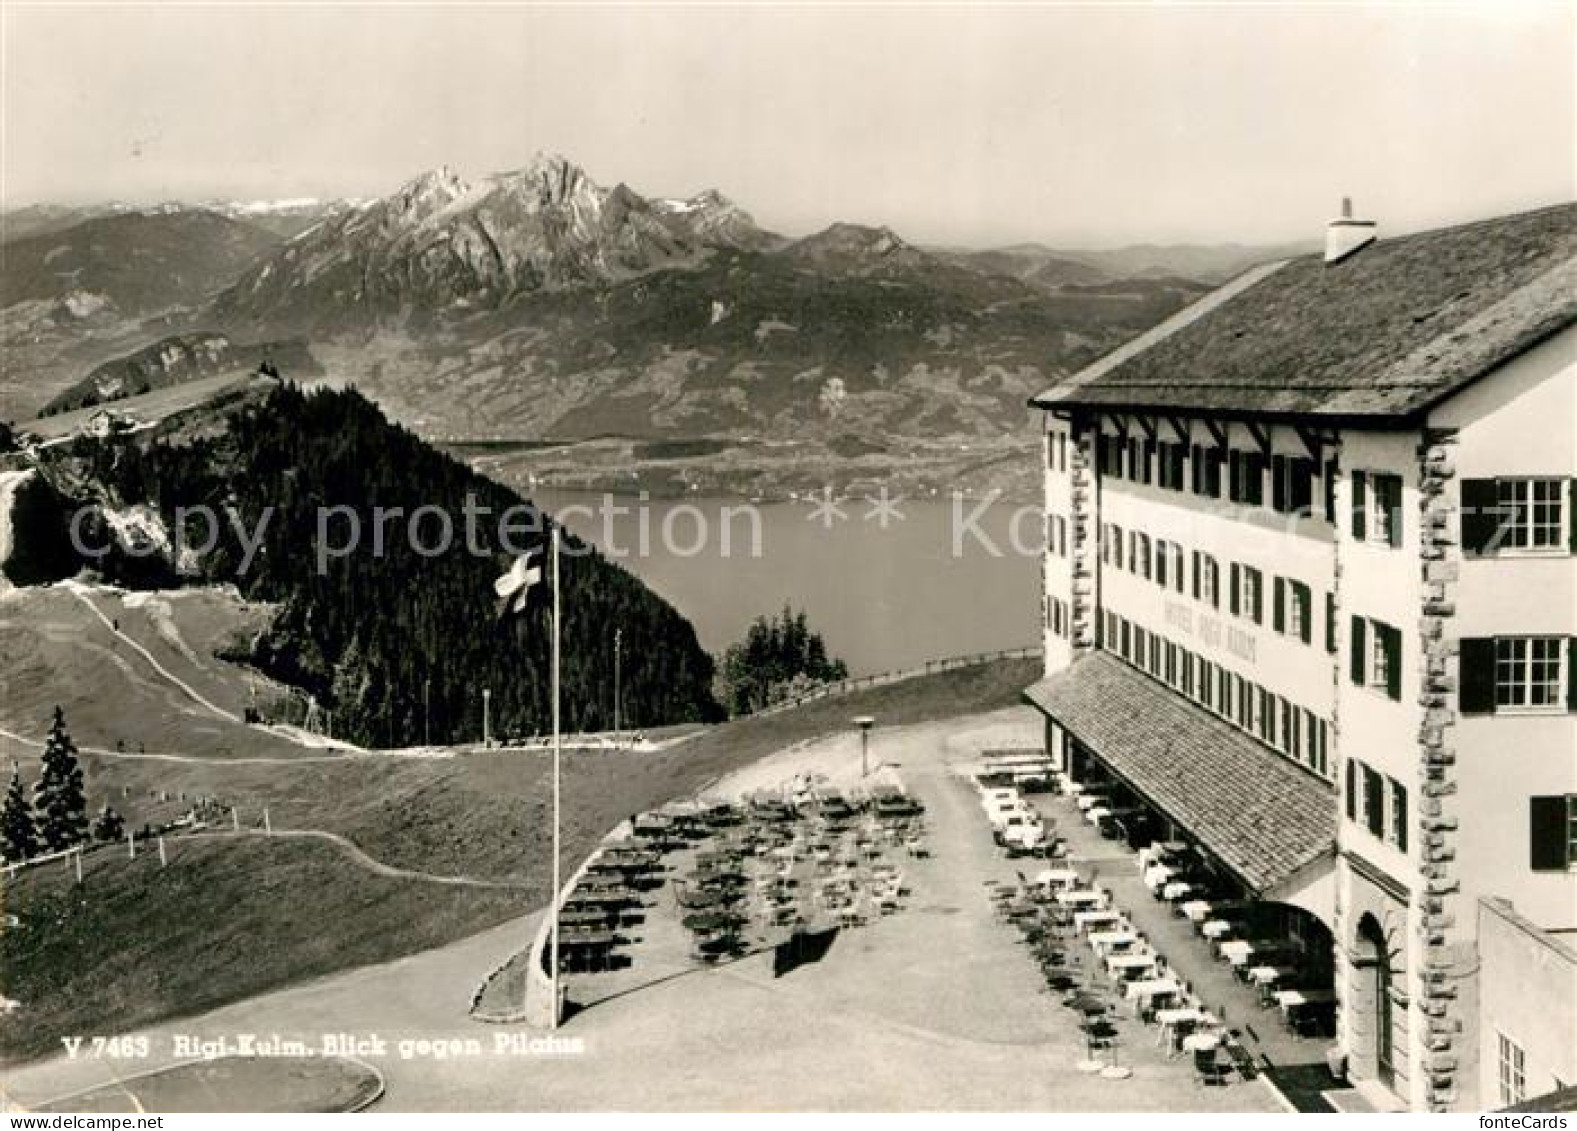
x=515 y=587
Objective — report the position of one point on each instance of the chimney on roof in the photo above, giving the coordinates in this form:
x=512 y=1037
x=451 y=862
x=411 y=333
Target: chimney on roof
x=1345 y=235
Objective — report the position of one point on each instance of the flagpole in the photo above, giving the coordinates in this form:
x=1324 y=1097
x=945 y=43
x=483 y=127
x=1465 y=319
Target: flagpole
x=553 y=905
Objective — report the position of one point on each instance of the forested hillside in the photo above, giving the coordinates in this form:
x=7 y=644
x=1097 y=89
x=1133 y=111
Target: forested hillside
x=380 y=630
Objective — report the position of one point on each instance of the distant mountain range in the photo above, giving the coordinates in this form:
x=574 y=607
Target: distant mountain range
x=139 y=262
x=538 y=303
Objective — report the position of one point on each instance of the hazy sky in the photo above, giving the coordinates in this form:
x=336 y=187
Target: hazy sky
x=978 y=125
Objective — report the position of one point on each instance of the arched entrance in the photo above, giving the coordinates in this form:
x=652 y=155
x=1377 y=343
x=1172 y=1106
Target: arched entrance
x=1373 y=956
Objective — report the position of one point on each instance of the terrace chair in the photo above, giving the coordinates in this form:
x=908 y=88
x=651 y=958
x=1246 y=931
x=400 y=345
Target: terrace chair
x=1209 y=1069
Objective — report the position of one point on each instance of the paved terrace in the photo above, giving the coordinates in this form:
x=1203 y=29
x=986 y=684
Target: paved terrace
x=1260 y=1030
x=937 y=1007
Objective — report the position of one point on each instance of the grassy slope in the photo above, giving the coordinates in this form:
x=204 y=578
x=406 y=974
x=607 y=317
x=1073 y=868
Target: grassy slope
x=230 y=919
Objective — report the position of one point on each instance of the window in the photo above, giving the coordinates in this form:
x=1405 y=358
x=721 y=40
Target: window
x=1377 y=508
x=1291 y=611
x=1330 y=623
x=1530 y=512
x=1512 y=673
x=1168 y=565
x=1267 y=717
x=1245 y=704
x=1397 y=833
x=1205 y=463
x=1207 y=580
x=1528 y=671
x=1207 y=684
x=1247 y=597
x=1513 y=1071
x=1246 y=477
x=1315 y=743
x=1170 y=460
x=1374 y=801
x=1526 y=514
x=1109 y=456
x=1376 y=656
x=1553 y=829
x=1141 y=459
x=1224 y=692
x=1139 y=555
x=1290 y=728
x=1114 y=545
x=1292 y=484
x=1057 y=535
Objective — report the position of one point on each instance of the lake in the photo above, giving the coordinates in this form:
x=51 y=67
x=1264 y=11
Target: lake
x=946 y=578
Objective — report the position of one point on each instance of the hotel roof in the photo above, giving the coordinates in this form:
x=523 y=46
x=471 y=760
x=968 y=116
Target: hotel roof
x=1253 y=809
x=1386 y=332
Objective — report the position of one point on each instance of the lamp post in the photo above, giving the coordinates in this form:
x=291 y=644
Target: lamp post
x=865 y=723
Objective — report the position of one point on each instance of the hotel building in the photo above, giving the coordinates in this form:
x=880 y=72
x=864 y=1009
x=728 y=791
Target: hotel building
x=1310 y=600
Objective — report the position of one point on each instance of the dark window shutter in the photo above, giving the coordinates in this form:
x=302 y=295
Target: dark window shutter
x=1196 y=574
x=1476 y=675
x=1232 y=595
x=1480 y=517
x=1359 y=667
x=1278 y=483
x=1374 y=801
x=1571 y=515
x=1330 y=623
x=1391 y=640
x=1352 y=790
x=1330 y=490
x=1301 y=497
x=1360 y=507
x=1278 y=613
x=1258 y=611
x=1547 y=833
x=1394 y=501
x=1571 y=673
x=1399 y=814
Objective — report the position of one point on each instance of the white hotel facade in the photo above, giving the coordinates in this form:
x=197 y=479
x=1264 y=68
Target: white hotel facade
x=1311 y=595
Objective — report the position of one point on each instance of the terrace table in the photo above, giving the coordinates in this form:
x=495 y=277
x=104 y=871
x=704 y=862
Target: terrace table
x=1289 y=1000
x=1203 y=1041
x=1081 y=897
x=1197 y=910
x=1095 y=812
x=1157 y=874
x=1237 y=951
x=1086 y=800
x=1095 y=918
x=1103 y=941
x=1057 y=877
x=1269 y=975
x=1130 y=965
x=1176 y=889
x=1146 y=988
x=1215 y=928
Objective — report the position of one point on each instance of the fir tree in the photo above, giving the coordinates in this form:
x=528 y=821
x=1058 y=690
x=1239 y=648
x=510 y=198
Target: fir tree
x=58 y=797
x=18 y=837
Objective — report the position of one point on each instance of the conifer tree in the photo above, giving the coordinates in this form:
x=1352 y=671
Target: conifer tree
x=18 y=837
x=58 y=798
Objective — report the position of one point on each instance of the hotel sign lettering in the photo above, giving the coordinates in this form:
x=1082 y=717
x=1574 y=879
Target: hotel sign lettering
x=1211 y=631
